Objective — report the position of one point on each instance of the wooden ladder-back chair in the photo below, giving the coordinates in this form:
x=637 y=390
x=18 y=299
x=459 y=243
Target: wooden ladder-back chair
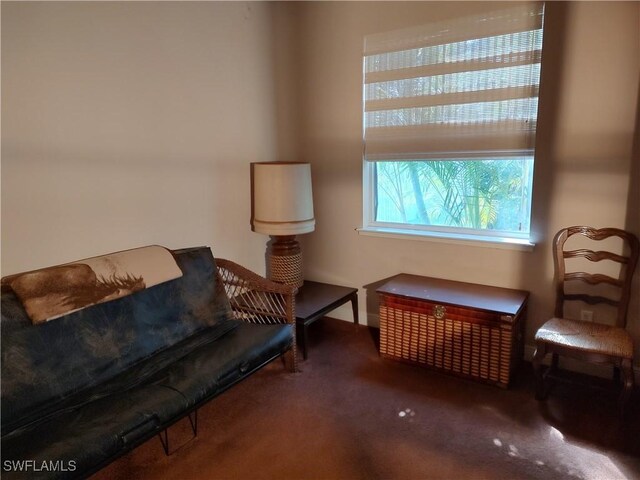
x=588 y=341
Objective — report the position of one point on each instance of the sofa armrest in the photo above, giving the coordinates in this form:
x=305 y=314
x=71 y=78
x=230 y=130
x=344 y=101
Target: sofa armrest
x=255 y=299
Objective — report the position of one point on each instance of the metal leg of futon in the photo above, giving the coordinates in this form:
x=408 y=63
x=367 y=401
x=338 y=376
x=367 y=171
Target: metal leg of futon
x=164 y=434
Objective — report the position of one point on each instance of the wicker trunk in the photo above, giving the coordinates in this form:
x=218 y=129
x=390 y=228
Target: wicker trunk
x=474 y=331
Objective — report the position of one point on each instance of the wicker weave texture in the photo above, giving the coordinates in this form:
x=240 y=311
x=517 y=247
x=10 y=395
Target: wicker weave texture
x=587 y=337
x=464 y=342
x=255 y=299
x=286 y=269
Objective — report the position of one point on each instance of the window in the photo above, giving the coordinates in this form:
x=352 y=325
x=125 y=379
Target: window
x=450 y=115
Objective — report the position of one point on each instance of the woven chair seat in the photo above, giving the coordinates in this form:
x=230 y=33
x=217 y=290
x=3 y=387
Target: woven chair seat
x=586 y=337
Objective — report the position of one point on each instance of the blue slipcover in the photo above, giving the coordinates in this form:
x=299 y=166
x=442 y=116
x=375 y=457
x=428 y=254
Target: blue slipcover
x=85 y=388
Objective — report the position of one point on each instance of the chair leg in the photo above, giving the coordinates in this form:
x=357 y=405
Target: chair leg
x=627 y=386
x=555 y=360
x=536 y=361
x=616 y=375
x=290 y=360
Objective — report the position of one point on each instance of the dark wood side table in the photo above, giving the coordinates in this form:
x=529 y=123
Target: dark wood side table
x=314 y=300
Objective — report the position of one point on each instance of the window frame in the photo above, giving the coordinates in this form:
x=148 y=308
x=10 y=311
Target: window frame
x=467 y=236
x=371 y=226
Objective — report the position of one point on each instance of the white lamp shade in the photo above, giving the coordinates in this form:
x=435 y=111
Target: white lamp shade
x=282 y=198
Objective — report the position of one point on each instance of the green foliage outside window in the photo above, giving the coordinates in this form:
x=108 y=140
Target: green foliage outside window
x=476 y=194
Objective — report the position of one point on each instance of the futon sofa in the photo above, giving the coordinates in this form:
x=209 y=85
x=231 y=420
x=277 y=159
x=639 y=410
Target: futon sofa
x=83 y=389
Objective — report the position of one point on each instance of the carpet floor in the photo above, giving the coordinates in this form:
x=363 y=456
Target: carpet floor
x=351 y=415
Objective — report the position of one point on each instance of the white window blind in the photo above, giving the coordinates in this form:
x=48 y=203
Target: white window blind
x=465 y=88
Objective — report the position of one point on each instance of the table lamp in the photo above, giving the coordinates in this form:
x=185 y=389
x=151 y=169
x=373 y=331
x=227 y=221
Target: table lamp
x=282 y=207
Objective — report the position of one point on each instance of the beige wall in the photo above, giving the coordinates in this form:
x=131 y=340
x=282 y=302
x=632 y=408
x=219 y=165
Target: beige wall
x=125 y=124
x=129 y=124
x=633 y=225
x=586 y=125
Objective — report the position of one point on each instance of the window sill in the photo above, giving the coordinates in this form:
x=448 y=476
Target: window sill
x=504 y=243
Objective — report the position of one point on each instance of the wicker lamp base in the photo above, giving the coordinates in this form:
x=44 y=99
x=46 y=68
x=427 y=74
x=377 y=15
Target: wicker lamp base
x=284 y=260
